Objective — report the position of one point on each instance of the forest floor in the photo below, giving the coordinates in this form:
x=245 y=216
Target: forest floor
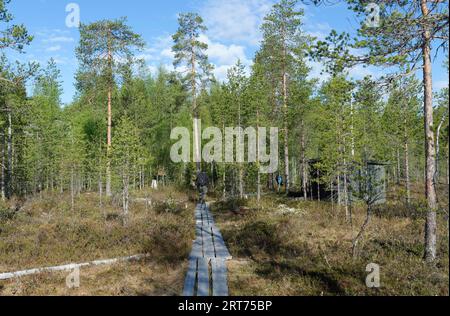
x=47 y=232
x=289 y=247
x=282 y=247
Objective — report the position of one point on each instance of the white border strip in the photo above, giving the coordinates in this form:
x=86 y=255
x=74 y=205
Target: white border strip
x=68 y=267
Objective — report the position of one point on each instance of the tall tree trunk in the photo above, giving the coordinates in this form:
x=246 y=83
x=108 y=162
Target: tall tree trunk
x=224 y=179
x=304 y=164
x=438 y=149
x=339 y=191
x=318 y=186
x=8 y=178
x=286 y=153
x=399 y=172
x=447 y=178
x=109 y=136
x=241 y=171
x=224 y=176
x=286 y=113
x=3 y=193
x=100 y=189
x=406 y=153
x=258 y=164
x=407 y=176
x=197 y=130
x=430 y=227
x=72 y=188
x=348 y=213
x=125 y=197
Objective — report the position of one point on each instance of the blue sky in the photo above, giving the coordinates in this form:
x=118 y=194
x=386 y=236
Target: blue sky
x=233 y=31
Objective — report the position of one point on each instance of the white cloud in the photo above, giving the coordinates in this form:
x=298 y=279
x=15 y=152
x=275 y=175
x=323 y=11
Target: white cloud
x=53 y=48
x=220 y=55
x=318 y=30
x=235 y=20
x=316 y=71
x=160 y=50
x=60 y=39
x=224 y=54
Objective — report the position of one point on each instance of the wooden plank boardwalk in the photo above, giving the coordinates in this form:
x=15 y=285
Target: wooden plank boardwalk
x=207 y=273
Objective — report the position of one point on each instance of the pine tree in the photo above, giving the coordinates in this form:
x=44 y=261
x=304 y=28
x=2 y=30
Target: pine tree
x=190 y=50
x=103 y=47
x=127 y=151
x=280 y=47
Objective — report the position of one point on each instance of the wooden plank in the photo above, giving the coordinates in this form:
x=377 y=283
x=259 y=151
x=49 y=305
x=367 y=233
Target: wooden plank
x=197 y=249
x=203 y=277
x=208 y=216
x=219 y=277
x=208 y=246
x=189 y=283
x=219 y=244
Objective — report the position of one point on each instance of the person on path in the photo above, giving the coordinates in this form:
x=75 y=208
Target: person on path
x=202 y=183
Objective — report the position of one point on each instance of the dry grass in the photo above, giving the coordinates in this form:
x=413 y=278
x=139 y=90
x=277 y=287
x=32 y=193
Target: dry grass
x=303 y=248
x=308 y=252
x=46 y=232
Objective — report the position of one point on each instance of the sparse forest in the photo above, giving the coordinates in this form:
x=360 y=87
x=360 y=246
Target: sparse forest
x=82 y=175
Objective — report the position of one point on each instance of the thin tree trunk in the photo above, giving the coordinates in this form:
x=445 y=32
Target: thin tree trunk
x=3 y=170
x=224 y=179
x=109 y=136
x=72 y=188
x=318 y=185
x=8 y=178
x=406 y=153
x=361 y=232
x=126 y=198
x=447 y=178
x=195 y=111
x=438 y=136
x=286 y=123
x=100 y=189
x=398 y=167
x=348 y=213
x=304 y=166
x=430 y=227
x=407 y=176
x=241 y=171
x=339 y=191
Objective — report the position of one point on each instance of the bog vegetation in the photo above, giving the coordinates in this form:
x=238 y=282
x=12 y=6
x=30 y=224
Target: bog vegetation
x=75 y=179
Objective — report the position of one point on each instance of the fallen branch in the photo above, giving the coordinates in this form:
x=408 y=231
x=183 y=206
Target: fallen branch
x=69 y=267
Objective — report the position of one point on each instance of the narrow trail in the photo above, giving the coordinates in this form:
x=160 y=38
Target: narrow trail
x=207 y=274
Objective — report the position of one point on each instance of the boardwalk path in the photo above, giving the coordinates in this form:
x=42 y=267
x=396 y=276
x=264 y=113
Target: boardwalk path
x=207 y=274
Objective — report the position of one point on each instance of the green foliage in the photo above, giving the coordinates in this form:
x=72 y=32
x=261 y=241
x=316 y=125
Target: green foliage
x=190 y=51
x=14 y=36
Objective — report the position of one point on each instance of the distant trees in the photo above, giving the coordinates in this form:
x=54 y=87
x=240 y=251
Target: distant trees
x=12 y=91
x=401 y=119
